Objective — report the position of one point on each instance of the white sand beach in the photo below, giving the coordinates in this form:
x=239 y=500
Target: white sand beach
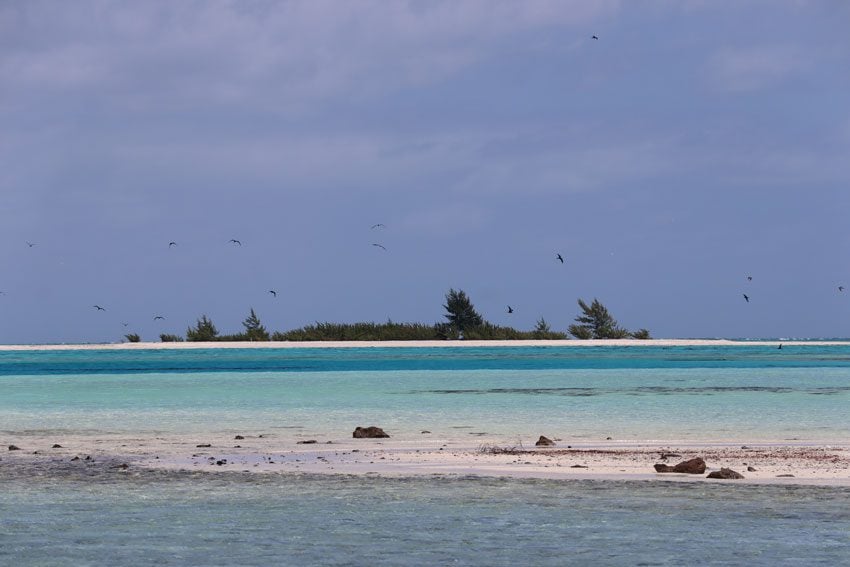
x=272 y=453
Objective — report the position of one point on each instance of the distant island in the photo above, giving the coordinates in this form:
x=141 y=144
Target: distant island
x=462 y=322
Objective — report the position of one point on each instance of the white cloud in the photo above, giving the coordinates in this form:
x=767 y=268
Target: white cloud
x=757 y=67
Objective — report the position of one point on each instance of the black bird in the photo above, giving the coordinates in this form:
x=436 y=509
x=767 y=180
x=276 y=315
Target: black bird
x=747 y=298
x=780 y=346
x=749 y=278
x=273 y=292
x=99 y=308
x=125 y=324
x=379 y=225
x=561 y=258
x=159 y=317
x=234 y=241
x=30 y=244
x=841 y=288
x=172 y=243
x=510 y=309
x=593 y=37
x=380 y=246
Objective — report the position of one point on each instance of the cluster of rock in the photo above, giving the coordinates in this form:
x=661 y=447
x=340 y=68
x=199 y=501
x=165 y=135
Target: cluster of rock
x=370 y=432
x=697 y=466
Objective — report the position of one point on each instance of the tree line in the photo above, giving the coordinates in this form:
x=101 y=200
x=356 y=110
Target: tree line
x=463 y=321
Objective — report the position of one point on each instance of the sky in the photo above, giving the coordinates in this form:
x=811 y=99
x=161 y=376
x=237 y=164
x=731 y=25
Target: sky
x=691 y=145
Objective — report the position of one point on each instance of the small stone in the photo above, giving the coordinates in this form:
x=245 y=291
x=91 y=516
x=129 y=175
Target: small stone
x=370 y=432
x=785 y=476
x=609 y=438
x=204 y=445
x=544 y=442
x=670 y=455
x=725 y=474
x=76 y=459
x=237 y=446
x=122 y=466
x=578 y=467
x=14 y=448
x=751 y=469
x=88 y=457
x=56 y=446
x=307 y=442
x=221 y=462
x=239 y=438
x=425 y=432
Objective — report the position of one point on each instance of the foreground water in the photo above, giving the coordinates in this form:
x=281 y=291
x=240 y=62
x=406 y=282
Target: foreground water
x=751 y=393
x=235 y=519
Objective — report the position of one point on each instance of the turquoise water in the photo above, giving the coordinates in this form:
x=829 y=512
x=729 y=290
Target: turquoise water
x=54 y=512
x=629 y=393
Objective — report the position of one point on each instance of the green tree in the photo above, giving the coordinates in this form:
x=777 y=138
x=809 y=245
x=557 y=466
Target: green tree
x=133 y=337
x=254 y=330
x=596 y=323
x=642 y=334
x=204 y=331
x=166 y=338
x=460 y=312
x=542 y=329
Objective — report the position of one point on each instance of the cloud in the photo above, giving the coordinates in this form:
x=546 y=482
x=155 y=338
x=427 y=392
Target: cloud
x=755 y=68
x=282 y=54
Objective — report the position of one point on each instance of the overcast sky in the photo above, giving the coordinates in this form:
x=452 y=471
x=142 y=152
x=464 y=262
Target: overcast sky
x=692 y=145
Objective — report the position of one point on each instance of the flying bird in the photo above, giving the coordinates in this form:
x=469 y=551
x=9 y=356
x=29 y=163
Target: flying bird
x=747 y=298
x=841 y=288
x=561 y=258
x=125 y=324
x=99 y=308
x=172 y=243
x=510 y=309
x=749 y=278
x=158 y=317
x=234 y=241
x=384 y=248
x=593 y=37
x=30 y=244
x=379 y=225
x=273 y=292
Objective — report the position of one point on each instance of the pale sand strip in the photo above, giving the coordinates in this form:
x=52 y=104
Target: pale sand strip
x=810 y=464
x=420 y=344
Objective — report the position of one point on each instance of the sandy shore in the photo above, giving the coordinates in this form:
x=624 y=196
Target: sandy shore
x=269 y=453
x=418 y=344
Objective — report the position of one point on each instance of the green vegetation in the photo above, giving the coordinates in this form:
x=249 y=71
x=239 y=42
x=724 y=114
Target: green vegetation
x=133 y=338
x=597 y=323
x=166 y=338
x=204 y=331
x=462 y=322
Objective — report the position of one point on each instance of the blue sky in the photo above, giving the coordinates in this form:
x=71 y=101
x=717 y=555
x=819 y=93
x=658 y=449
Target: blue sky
x=691 y=145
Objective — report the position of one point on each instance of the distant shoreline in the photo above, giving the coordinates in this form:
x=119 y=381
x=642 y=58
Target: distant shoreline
x=421 y=344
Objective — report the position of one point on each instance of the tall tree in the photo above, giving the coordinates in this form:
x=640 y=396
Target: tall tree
x=204 y=331
x=460 y=312
x=596 y=323
x=254 y=329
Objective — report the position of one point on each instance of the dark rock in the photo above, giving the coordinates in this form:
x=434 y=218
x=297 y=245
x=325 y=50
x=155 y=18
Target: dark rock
x=88 y=457
x=609 y=438
x=204 y=445
x=751 y=469
x=239 y=438
x=785 y=476
x=578 y=467
x=371 y=432
x=693 y=466
x=221 y=462
x=14 y=448
x=122 y=466
x=307 y=442
x=76 y=459
x=725 y=474
x=425 y=432
x=237 y=446
x=544 y=442
x=56 y=446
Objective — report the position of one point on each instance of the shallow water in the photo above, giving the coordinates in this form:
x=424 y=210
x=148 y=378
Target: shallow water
x=729 y=393
x=228 y=519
